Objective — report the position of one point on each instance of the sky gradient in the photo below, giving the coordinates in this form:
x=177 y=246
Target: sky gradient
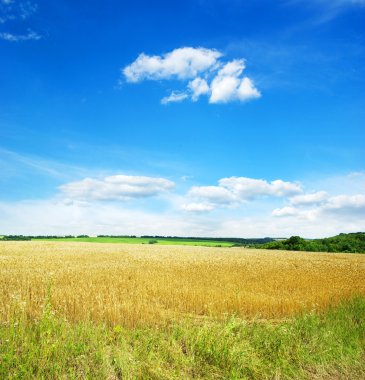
x=195 y=118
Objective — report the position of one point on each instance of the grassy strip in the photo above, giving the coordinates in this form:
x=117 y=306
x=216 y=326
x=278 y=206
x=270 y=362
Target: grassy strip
x=310 y=346
x=167 y=241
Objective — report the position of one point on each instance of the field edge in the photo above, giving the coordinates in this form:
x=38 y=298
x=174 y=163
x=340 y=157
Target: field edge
x=323 y=345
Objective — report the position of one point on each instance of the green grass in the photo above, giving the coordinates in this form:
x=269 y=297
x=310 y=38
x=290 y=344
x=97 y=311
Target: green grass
x=165 y=241
x=310 y=346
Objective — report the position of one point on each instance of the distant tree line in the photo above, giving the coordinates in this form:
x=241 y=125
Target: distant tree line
x=352 y=242
x=236 y=241
x=30 y=237
x=52 y=237
x=117 y=236
x=15 y=237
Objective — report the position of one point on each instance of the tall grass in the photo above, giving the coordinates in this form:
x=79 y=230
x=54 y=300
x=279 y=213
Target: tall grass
x=327 y=345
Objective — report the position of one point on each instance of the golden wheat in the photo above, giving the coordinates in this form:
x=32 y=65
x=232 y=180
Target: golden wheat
x=152 y=284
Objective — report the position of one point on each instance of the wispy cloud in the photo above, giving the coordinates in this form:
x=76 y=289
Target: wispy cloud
x=30 y=35
x=202 y=68
x=13 y=10
x=174 y=97
x=19 y=163
x=16 y=10
x=327 y=10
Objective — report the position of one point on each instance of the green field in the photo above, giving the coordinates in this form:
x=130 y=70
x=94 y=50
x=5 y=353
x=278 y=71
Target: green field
x=137 y=240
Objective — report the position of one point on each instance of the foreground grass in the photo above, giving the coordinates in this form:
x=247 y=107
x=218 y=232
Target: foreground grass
x=329 y=345
x=138 y=240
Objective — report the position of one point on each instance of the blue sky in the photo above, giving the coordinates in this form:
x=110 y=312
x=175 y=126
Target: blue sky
x=199 y=118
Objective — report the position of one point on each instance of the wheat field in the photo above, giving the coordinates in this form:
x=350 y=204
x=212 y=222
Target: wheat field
x=135 y=285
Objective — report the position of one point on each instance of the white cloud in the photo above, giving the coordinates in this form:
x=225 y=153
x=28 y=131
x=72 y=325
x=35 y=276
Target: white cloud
x=54 y=217
x=233 y=191
x=309 y=199
x=285 y=211
x=346 y=203
x=228 y=86
x=247 y=90
x=117 y=187
x=182 y=63
x=174 y=97
x=198 y=87
x=248 y=188
x=214 y=194
x=221 y=81
x=197 y=207
x=267 y=208
x=31 y=35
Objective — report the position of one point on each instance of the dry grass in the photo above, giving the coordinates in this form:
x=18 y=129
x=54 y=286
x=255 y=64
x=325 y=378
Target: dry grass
x=151 y=284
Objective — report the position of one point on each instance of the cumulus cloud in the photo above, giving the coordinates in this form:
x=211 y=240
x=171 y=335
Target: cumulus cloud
x=346 y=203
x=285 y=211
x=81 y=208
x=233 y=191
x=248 y=188
x=228 y=84
x=222 y=81
x=198 y=87
x=117 y=187
x=182 y=63
x=351 y=206
x=309 y=199
x=197 y=207
x=214 y=194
